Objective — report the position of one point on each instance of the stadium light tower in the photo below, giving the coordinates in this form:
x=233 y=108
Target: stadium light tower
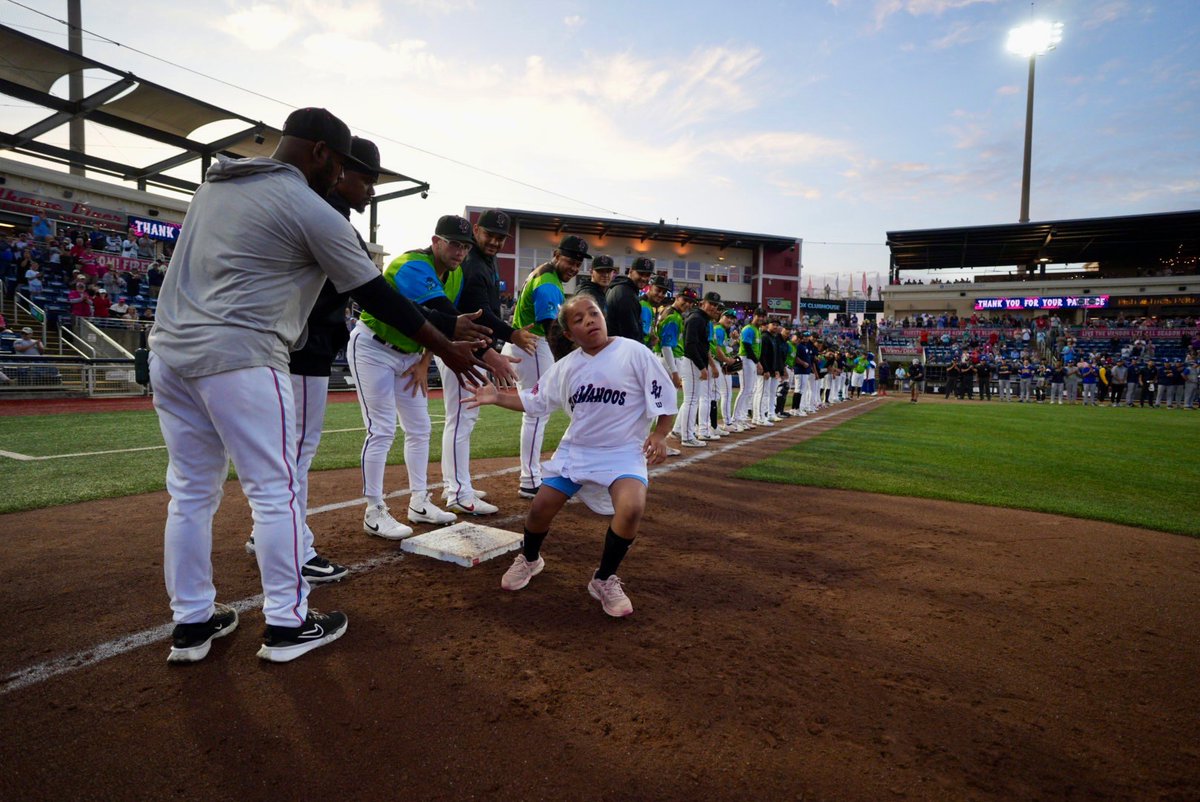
x=1032 y=40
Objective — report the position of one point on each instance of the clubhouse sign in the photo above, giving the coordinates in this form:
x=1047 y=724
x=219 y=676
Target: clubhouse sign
x=1042 y=302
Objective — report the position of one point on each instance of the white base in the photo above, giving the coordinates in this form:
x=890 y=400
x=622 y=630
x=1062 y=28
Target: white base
x=466 y=544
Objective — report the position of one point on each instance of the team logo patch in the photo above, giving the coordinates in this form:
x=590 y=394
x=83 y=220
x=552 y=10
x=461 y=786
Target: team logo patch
x=655 y=388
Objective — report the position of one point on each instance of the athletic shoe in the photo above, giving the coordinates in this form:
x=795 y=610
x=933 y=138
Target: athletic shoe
x=673 y=452
x=190 y=642
x=379 y=522
x=527 y=492
x=693 y=443
x=765 y=422
x=674 y=434
x=422 y=510
x=250 y=545
x=723 y=432
x=318 y=570
x=477 y=507
x=476 y=493
x=520 y=572
x=610 y=595
x=800 y=414
x=708 y=437
x=283 y=644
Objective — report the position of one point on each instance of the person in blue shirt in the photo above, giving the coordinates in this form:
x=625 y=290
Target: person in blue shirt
x=1088 y=376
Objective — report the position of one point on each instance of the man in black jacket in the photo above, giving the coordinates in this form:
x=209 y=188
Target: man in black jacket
x=480 y=293
x=596 y=283
x=694 y=366
x=626 y=315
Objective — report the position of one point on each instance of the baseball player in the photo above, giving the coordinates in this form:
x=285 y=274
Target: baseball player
x=750 y=350
x=612 y=388
x=311 y=366
x=597 y=283
x=391 y=372
x=764 y=391
x=706 y=428
x=693 y=366
x=257 y=245
x=724 y=381
x=480 y=293
x=626 y=314
x=537 y=308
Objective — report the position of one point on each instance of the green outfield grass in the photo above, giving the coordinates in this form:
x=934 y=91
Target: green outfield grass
x=1131 y=466
x=31 y=484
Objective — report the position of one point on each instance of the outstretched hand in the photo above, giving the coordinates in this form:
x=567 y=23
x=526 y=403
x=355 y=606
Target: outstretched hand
x=486 y=393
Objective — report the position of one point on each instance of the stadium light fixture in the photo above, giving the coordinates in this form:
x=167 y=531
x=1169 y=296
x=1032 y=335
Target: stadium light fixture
x=1032 y=40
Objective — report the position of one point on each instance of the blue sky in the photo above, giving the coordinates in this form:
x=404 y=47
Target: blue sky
x=830 y=121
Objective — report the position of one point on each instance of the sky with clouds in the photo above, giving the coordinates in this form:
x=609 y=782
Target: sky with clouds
x=831 y=121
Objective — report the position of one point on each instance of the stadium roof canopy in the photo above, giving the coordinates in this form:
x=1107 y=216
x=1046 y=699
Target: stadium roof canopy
x=29 y=68
x=1140 y=240
x=643 y=230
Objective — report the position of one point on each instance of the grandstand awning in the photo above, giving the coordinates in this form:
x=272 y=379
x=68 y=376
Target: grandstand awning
x=1143 y=240
x=30 y=67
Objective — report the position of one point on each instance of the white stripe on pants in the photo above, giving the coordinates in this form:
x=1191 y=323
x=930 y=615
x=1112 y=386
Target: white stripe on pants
x=382 y=398
x=456 y=436
x=248 y=415
x=741 y=408
x=311 y=394
x=691 y=398
x=533 y=429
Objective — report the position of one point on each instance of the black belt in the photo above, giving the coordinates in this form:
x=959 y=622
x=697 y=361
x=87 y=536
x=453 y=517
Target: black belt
x=382 y=341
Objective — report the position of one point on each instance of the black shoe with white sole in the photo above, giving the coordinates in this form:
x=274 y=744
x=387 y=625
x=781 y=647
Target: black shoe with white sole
x=318 y=570
x=190 y=642
x=282 y=644
x=527 y=492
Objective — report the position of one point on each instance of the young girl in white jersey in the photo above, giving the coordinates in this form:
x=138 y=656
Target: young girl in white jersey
x=612 y=388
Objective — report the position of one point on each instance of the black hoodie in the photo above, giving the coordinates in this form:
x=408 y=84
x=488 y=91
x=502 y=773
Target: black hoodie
x=624 y=313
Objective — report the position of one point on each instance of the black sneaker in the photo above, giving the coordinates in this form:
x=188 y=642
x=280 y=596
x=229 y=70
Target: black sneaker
x=527 y=492
x=282 y=644
x=318 y=570
x=190 y=642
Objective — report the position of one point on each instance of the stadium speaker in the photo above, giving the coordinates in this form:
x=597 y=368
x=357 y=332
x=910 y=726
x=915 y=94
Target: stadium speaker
x=152 y=212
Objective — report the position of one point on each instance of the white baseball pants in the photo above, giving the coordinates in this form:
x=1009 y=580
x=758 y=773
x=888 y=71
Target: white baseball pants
x=383 y=399
x=692 y=389
x=725 y=396
x=742 y=408
x=247 y=415
x=456 y=437
x=533 y=429
x=310 y=394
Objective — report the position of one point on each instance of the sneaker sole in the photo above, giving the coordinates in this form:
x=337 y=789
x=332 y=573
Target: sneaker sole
x=420 y=519
x=194 y=654
x=604 y=606
x=534 y=573
x=523 y=493
x=286 y=654
x=475 y=513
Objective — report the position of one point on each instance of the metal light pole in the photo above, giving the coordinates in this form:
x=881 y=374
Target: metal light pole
x=1032 y=40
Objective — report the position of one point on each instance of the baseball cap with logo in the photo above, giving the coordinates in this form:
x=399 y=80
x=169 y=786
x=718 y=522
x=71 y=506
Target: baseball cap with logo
x=454 y=228
x=688 y=294
x=603 y=262
x=729 y=313
x=642 y=264
x=575 y=247
x=366 y=153
x=660 y=281
x=713 y=298
x=27 y=330
x=319 y=125
x=496 y=221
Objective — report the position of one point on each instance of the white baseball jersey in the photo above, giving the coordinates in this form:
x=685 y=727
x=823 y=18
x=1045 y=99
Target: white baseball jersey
x=611 y=397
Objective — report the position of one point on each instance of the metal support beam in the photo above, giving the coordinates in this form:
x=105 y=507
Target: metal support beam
x=116 y=169
x=184 y=158
x=80 y=110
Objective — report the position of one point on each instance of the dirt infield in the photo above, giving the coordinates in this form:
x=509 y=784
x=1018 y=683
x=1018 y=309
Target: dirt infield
x=787 y=643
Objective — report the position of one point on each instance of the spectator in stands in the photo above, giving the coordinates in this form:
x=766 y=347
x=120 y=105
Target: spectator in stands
x=154 y=278
x=145 y=247
x=80 y=300
x=133 y=283
x=120 y=308
x=101 y=303
x=28 y=345
x=129 y=245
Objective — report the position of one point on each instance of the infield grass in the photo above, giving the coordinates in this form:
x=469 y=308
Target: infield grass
x=32 y=484
x=1130 y=466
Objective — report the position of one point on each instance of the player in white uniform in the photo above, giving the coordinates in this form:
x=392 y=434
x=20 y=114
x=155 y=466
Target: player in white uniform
x=257 y=245
x=537 y=308
x=612 y=387
x=391 y=372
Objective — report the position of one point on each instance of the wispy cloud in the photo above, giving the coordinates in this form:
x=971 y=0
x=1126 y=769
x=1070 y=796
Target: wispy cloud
x=1104 y=13
x=262 y=26
x=574 y=22
x=918 y=8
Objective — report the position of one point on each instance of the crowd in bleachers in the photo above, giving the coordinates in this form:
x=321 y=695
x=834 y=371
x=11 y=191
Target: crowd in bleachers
x=64 y=274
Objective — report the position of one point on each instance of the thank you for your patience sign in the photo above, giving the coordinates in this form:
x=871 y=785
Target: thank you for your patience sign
x=1042 y=302
x=155 y=229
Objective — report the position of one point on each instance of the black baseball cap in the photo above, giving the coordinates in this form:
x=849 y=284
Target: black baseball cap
x=660 y=281
x=366 y=153
x=603 y=262
x=496 y=221
x=642 y=264
x=454 y=228
x=319 y=125
x=713 y=298
x=688 y=294
x=575 y=247
x=758 y=310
